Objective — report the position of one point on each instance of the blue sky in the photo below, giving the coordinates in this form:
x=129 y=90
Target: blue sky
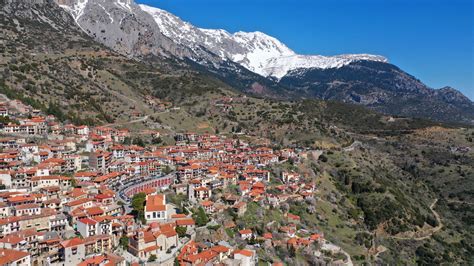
x=430 y=39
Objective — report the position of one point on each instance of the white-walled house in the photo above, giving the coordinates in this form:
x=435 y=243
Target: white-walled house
x=155 y=208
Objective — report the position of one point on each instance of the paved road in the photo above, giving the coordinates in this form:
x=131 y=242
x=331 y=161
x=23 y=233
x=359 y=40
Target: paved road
x=126 y=206
x=122 y=190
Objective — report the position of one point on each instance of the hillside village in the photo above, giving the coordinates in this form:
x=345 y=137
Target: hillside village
x=83 y=195
x=128 y=136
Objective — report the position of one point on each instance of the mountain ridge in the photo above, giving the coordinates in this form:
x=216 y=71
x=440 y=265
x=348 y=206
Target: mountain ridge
x=260 y=64
x=256 y=51
x=382 y=87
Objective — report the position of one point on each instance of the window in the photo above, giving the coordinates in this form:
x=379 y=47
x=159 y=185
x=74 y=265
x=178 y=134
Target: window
x=74 y=251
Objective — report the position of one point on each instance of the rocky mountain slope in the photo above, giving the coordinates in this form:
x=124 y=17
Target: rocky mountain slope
x=384 y=88
x=256 y=51
x=139 y=30
x=260 y=64
x=47 y=61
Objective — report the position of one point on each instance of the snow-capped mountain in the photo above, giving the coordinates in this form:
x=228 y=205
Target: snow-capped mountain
x=256 y=51
x=157 y=37
x=139 y=29
x=256 y=63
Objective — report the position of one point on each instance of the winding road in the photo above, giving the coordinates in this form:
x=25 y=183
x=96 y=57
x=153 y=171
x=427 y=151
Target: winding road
x=381 y=249
x=430 y=231
x=333 y=248
x=121 y=193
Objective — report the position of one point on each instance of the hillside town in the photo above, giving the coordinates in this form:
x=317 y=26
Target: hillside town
x=86 y=195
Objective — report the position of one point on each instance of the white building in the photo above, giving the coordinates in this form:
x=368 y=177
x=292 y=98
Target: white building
x=155 y=208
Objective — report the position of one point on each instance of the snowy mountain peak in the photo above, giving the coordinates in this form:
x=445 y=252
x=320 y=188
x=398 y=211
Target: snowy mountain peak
x=110 y=21
x=280 y=66
x=256 y=51
x=263 y=41
x=170 y=25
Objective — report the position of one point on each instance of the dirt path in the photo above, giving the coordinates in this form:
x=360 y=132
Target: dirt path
x=429 y=232
x=138 y=120
x=353 y=146
x=333 y=248
x=380 y=249
x=460 y=202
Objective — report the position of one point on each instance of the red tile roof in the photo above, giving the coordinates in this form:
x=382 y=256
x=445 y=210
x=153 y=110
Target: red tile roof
x=72 y=242
x=245 y=232
x=94 y=211
x=178 y=216
x=185 y=222
x=9 y=256
x=245 y=252
x=88 y=221
x=155 y=203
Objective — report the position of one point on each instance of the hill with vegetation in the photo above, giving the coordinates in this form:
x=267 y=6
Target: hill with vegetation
x=385 y=183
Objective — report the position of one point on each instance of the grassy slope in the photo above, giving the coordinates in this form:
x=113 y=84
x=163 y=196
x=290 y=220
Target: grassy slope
x=428 y=158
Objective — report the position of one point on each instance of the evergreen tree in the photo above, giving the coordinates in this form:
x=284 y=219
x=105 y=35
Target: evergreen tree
x=181 y=231
x=201 y=217
x=138 y=205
